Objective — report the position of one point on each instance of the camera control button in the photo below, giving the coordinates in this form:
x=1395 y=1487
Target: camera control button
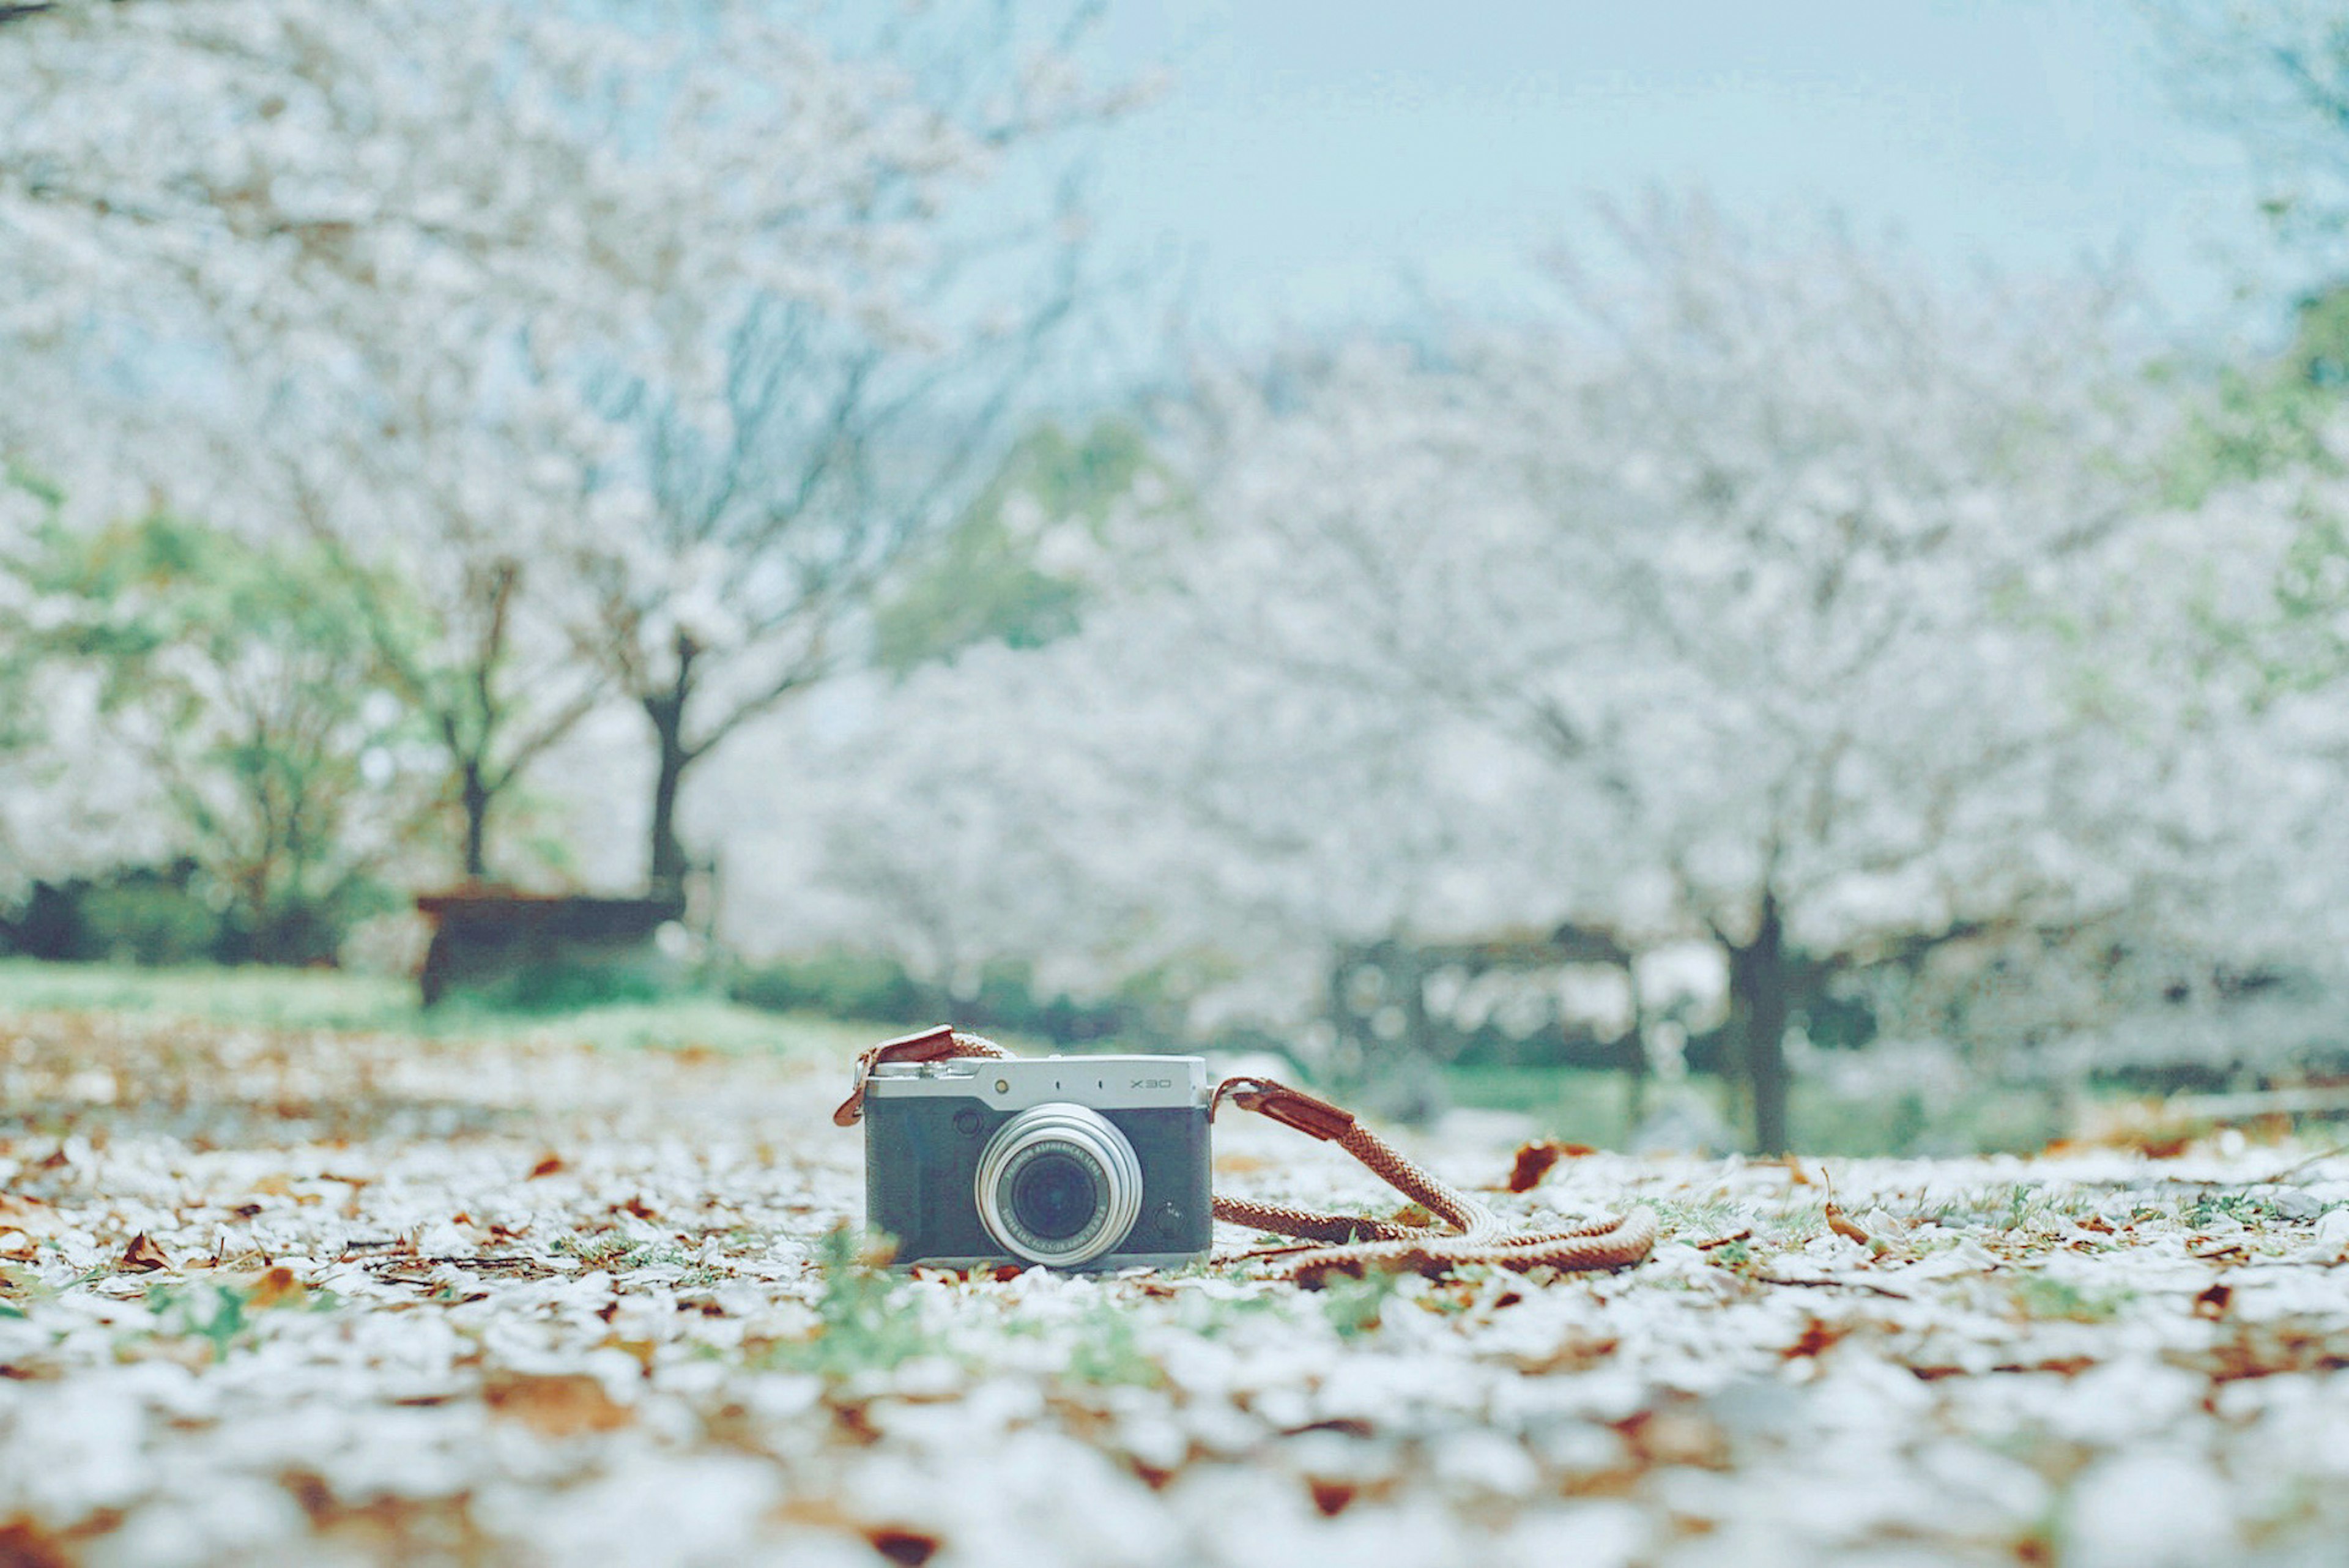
x=1170 y=1219
x=965 y=1122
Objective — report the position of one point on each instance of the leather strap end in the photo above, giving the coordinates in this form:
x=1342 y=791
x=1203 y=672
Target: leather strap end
x=922 y=1045
x=1303 y=1112
x=1308 y=1114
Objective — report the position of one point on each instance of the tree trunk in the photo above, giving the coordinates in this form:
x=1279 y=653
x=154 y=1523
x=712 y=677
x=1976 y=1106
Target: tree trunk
x=473 y=795
x=1640 y=1070
x=667 y=865
x=1757 y=1012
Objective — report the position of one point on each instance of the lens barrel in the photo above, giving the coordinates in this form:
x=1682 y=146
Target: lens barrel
x=1057 y=1184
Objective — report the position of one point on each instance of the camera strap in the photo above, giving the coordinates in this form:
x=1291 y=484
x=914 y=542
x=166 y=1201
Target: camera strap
x=1461 y=1230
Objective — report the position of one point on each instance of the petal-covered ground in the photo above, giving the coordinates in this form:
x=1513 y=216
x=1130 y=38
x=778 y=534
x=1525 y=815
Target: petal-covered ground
x=302 y=1297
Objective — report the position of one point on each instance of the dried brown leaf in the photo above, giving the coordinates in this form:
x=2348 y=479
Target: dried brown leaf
x=1579 y=1351
x=1534 y=1161
x=143 y=1255
x=1330 y=1497
x=1817 y=1335
x=1677 y=1437
x=565 y=1404
x=911 y=1548
x=25 y=1544
x=278 y=1287
x=2267 y=1348
x=29 y=1215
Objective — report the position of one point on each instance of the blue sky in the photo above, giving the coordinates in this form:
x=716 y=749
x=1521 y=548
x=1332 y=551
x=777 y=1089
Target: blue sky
x=1310 y=153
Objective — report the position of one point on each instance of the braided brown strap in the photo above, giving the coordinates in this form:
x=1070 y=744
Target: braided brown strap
x=1340 y=1243
x=1356 y=1246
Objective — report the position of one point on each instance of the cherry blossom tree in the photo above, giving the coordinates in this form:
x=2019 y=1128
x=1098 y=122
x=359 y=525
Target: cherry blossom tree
x=1767 y=592
x=1135 y=804
x=379 y=262
x=768 y=546
x=1718 y=601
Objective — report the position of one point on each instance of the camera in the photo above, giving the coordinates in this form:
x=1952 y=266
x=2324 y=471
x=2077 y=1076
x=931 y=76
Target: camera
x=1073 y=1162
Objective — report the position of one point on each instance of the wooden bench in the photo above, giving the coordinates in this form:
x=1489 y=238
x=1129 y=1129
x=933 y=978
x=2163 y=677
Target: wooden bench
x=488 y=938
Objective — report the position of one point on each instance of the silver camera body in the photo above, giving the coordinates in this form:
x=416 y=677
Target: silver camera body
x=1073 y=1162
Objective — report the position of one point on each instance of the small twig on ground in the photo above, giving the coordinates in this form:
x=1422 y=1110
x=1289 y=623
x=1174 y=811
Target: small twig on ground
x=1835 y=1284
x=1253 y=1254
x=2294 y=1168
x=1746 y=1234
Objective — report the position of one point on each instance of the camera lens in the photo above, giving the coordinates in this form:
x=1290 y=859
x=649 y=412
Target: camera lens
x=1053 y=1196
x=1057 y=1184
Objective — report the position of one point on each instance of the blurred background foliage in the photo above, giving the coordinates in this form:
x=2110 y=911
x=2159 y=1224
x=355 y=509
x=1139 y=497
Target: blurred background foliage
x=1766 y=695
x=1011 y=568
x=245 y=681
